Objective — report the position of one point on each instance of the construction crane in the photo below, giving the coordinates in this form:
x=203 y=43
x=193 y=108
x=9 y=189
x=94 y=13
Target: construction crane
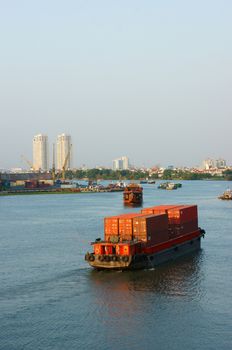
x=28 y=162
x=66 y=162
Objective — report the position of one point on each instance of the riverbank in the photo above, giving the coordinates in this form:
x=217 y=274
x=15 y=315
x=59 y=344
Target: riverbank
x=60 y=191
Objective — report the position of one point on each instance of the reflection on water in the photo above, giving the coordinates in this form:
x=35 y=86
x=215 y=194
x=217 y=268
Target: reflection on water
x=130 y=303
x=133 y=205
x=181 y=278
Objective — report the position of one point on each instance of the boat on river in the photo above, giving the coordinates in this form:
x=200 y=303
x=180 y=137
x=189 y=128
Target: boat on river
x=133 y=194
x=147 y=238
x=169 y=185
x=227 y=195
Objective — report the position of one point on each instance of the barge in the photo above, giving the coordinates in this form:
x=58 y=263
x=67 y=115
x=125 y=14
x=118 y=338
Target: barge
x=147 y=239
x=133 y=194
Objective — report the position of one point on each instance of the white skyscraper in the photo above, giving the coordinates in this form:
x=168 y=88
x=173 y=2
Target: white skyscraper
x=40 y=152
x=121 y=163
x=64 y=151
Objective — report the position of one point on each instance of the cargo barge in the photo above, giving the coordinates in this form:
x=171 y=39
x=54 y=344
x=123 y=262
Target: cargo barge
x=147 y=239
x=133 y=194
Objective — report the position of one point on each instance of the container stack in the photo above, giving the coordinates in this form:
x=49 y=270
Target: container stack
x=119 y=227
x=183 y=219
x=158 y=209
x=151 y=229
x=126 y=226
x=153 y=226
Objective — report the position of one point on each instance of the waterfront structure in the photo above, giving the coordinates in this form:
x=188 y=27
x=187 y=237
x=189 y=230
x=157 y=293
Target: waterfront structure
x=121 y=163
x=63 y=151
x=40 y=153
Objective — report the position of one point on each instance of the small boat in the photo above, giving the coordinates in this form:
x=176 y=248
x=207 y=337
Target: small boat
x=142 y=182
x=227 y=195
x=169 y=186
x=149 y=182
x=133 y=194
x=146 y=239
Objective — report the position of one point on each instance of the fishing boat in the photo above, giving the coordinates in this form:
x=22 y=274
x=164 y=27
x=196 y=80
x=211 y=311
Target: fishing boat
x=133 y=194
x=146 y=239
x=227 y=195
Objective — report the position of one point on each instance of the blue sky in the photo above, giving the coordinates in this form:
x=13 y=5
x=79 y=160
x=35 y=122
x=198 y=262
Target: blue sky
x=148 y=79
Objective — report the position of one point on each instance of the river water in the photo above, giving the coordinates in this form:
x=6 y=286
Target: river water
x=51 y=299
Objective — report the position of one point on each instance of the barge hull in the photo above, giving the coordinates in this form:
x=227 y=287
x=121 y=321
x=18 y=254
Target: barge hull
x=147 y=261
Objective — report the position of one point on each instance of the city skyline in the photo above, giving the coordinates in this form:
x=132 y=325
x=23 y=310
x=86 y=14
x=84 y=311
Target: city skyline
x=150 y=80
x=59 y=153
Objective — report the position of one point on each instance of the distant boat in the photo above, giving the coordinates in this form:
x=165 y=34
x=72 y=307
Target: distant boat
x=169 y=185
x=227 y=195
x=142 y=182
x=133 y=194
x=151 y=182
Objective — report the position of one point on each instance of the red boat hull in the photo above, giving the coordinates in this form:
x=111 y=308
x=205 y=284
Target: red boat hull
x=150 y=256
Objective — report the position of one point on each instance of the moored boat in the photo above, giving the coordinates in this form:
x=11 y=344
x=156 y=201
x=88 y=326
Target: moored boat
x=147 y=239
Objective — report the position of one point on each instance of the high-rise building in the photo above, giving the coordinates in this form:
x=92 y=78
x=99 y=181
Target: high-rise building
x=40 y=152
x=208 y=164
x=220 y=163
x=121 y=163
x=212 y=163
x=64 y=152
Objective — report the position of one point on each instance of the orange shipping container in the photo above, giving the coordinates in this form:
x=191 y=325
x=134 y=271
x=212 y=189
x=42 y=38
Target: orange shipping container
x=149 y=223
x=111 y=225
x=152 y=229
x=185 y=228
x=158 y=209
x=183 y=214
x=159 y=237
x=126 y=225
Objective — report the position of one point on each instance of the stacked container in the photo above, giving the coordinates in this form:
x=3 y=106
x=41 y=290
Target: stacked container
x=182 y=220
x=126 y=226
x=121 y=225
x=152 y=229
x=158 y=209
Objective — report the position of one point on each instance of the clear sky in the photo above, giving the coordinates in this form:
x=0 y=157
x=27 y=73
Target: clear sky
x=149 y=79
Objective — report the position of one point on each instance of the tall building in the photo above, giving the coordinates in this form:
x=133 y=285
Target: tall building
x=63 y=151
x=220 y=163
x=121 y=163
x=208 y=164
x=40 y=152
x=212 y=163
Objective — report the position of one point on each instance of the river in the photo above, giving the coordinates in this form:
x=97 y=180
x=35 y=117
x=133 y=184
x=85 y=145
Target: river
x=51 y=299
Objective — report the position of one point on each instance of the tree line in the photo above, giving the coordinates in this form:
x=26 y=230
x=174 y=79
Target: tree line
x=168 y=174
